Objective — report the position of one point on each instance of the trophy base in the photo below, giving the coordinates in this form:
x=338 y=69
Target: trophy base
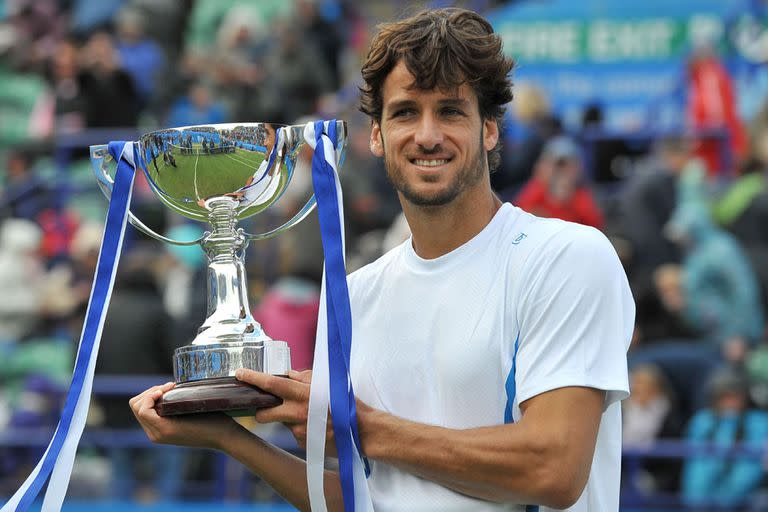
x=222 y=394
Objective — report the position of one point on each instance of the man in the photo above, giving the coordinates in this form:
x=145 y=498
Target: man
x=489 y=350
x=645 y=205
x=647 y=201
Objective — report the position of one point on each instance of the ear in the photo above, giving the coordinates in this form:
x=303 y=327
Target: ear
x=490 y=134
x=377 y=143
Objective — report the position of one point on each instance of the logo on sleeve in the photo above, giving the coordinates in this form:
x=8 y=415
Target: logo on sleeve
x=520 y=238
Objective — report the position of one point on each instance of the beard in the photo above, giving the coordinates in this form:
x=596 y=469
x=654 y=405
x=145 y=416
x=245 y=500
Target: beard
x=465 y=178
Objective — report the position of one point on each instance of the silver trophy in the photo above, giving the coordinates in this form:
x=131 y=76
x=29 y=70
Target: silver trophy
x=221 y=174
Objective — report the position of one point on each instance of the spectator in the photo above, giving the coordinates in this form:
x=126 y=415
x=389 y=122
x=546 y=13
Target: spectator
x=64 y=75
x=645 y=205
x=557 y=188
x=647 y=201
x=140 y=57
x=22 y=278
x=198 y=107
x=79 y=272
x=729 y=421
x=322 y=35
x=649 y=414
x=112 y=97
x=242 y=47
x=26 y=194
x=206 y=15
x=720 y=293
x=287 y=77
x=712 y=107
x=37 y=26
x=743 y=210
x=532 y=125
x=288 y=311
x=136 y=342
x=59 y=226
x=668 y=324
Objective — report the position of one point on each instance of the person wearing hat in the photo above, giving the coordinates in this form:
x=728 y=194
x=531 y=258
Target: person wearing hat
x=710 y=478
x=557 y=188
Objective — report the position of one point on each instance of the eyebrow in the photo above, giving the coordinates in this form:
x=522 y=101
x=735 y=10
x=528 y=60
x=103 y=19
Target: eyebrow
x=398 y=104
x=445 y=102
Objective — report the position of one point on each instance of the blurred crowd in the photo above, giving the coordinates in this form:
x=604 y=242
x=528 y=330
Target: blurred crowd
x=688 y=218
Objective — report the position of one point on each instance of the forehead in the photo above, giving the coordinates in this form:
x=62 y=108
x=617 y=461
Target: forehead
x=400 y=85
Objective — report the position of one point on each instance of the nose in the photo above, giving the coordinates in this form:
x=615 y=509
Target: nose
x=429 y=133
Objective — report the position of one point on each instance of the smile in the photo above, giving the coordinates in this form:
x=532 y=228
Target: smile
x=430 y=163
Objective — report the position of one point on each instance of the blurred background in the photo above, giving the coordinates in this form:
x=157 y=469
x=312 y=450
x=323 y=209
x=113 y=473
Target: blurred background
x=647 y=119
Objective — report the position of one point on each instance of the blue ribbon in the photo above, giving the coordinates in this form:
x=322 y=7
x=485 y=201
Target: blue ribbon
x=342 y=397
x=110 y=247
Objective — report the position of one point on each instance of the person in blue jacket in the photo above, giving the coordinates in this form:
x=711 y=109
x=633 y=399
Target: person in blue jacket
x=712 y=478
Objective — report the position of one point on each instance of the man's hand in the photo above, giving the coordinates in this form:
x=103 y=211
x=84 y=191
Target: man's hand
x=293 y=412
x=281 y=470
x=199 y=430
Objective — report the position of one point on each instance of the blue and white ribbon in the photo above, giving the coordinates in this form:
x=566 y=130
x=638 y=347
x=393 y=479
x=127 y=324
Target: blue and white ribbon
x=331 y=381
x=60 y=455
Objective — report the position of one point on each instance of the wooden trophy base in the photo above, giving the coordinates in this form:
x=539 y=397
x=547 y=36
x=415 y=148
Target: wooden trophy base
x=223 y=394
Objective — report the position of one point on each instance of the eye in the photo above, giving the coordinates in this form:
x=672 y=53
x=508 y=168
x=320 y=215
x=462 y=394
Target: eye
x=451 y=112
x=403 y=112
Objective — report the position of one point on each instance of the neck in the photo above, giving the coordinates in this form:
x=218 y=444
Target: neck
x=438 y=230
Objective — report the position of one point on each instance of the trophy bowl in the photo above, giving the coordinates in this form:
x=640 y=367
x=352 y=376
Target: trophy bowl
x=221 y=174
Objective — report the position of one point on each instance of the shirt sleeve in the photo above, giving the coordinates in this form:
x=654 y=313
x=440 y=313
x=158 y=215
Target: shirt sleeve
x=575 y=315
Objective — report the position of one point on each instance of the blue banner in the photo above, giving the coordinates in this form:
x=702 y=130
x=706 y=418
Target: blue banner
x=630 y=57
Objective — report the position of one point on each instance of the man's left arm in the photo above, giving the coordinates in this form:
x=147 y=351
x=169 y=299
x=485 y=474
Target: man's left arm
x=545 y=458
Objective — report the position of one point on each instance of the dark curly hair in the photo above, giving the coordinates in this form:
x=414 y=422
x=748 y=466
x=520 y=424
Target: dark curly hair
x=442 y=49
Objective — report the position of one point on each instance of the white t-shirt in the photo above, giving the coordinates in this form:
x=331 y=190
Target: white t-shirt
x=435 y=341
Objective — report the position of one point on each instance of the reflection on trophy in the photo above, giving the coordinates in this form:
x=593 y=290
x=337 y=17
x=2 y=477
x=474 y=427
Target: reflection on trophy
x=220 y=174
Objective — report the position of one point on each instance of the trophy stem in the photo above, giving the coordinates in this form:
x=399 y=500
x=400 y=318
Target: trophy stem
x=229 y=315
x=230 y=338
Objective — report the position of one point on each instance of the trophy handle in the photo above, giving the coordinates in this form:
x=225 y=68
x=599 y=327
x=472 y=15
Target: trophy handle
x=100 y=159
x=310 y=204
x=301 y=215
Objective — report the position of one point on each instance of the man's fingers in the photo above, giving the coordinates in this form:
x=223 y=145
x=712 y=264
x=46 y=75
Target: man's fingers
x=164 y=388
x=280 y=386
x=289 y=412
x=143 y=405
x=145 y=408
x=303 y=376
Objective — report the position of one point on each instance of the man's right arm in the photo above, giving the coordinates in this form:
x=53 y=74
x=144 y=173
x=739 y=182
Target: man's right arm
x=281 y=470
x=284 y=472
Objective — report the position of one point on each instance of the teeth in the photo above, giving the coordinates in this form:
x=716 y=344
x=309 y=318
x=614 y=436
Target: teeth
x=430 y=163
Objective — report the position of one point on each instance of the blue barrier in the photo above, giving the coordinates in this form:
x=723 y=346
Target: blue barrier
x=120 y=385
x=632 y=498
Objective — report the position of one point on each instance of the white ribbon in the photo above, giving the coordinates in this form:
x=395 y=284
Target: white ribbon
x=62 y=470
x=319 y=397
